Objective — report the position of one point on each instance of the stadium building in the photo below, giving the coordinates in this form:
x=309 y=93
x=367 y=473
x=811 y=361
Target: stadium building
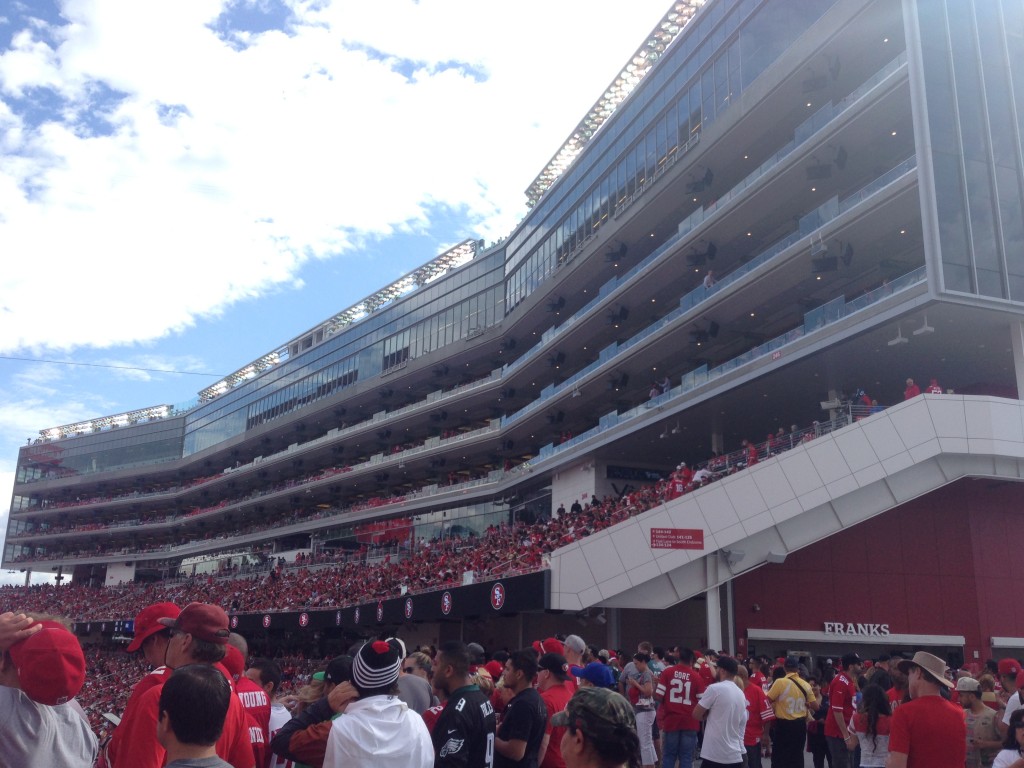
x=774 y=206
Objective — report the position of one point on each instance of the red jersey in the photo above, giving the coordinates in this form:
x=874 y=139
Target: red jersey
x=705 y=670
x=678 y=688
x=154 y=678
x=257 y=709
x=759 y=712
x=555 y=698
x=931 y=732
x=140 y=748
x=761 y=680
x=431 y=715
x=895 y=698
x=840 y=697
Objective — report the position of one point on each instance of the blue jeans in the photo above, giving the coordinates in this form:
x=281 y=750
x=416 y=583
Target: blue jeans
x=678 y=745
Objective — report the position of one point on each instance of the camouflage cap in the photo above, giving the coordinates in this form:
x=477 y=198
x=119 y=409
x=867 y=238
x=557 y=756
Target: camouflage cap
x=596 y=709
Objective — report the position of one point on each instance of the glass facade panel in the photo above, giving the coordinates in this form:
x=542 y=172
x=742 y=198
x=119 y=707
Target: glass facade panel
x=968 y=47
x=698 y=81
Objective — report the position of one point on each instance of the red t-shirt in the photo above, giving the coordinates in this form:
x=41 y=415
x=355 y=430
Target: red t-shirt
x=154 y=678
x=140 y=748
x=555 y=698
x=840 y=697
x=931 y=732
x=761 y=681
x=759 y=712
x=678 y=688
x=895 y=698
x=257 y=709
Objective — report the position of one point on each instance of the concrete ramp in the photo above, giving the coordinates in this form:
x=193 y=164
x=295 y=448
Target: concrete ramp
x=792 y=500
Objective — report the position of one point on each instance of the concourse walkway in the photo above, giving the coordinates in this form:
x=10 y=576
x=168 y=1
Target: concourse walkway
x=790 y=501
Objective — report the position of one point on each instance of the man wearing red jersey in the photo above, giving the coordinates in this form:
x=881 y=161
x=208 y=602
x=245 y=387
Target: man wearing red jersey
x=198 y=636
x=759 y=714
x=841 y=741
x=254 y=699
x=151 y=638
x=898 y=693
x=927 y=731
x=553 y=685
x=677 y=690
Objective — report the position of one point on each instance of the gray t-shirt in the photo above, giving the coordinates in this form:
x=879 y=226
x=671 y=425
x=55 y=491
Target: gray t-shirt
x=199 y=762
x=37 y=736
x=415 y=692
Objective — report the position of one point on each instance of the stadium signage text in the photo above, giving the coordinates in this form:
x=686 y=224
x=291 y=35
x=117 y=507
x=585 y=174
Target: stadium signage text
x=677 y=538
x=848 y=628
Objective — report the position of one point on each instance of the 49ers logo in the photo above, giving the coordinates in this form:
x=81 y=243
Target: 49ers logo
x=446 y=603
x=497 y=596
x=303 y=619
x=408 y=607
x=234 y=622
x=337 y=618
x=380 y=610
x=356 y=615
x=266 y=620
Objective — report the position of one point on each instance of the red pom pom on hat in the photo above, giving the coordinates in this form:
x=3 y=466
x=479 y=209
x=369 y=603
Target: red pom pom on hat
x=379 y=646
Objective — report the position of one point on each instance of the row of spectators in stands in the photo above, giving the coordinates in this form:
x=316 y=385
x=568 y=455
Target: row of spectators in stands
x=748 y=454
x=500 y=551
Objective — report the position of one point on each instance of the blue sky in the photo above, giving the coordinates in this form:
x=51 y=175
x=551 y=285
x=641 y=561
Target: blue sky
x=186 y=186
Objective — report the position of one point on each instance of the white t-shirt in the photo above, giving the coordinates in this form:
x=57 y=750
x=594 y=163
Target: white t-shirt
x=1012 y=705
x=724 y=723
x=1006 y=758
x=279 y=715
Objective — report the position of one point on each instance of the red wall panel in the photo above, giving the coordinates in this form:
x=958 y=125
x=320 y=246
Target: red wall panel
x=943 y=564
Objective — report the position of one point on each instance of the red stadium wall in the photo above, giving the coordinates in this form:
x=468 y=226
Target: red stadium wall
x=945 y=564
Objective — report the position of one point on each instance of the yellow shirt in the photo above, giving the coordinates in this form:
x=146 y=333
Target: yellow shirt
x=788 y=697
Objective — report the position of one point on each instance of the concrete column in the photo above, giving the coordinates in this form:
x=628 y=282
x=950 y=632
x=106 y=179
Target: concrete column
x=713 y=606
x=614 y=628
x=730 y=618
x=717 y=435
x=1017 y=343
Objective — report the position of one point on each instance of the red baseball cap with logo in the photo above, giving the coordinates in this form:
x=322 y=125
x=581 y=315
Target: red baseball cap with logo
x=233 y=661
x=50 y=664
x=147 y=623
x=203 y=621
x=551 y=645
x=1009 y=666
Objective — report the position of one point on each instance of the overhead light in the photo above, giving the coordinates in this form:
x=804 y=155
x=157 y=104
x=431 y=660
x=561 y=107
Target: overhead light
x=676 y=429
x=601 y=618
x=925 y=328
x=900 y=338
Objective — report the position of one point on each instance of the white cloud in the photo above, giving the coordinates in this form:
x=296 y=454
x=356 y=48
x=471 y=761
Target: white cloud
x=223 y=168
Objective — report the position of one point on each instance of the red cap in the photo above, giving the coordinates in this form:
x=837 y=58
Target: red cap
x=203 y=621
x=50 y=664
x=233 y=661
x=147 y=622
x=1009 y=666
x=495 y=668
x=551 y=645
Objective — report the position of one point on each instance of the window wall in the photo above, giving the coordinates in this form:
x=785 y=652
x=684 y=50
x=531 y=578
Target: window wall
x=973 y=56
x=701 y=75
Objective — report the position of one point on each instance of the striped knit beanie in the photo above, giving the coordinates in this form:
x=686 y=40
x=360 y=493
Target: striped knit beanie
x=376 y=665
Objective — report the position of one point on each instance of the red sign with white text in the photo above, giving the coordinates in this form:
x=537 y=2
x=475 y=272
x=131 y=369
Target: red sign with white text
x=677 y=538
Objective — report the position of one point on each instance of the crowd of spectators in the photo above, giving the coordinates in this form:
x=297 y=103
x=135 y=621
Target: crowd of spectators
x=334 y=580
